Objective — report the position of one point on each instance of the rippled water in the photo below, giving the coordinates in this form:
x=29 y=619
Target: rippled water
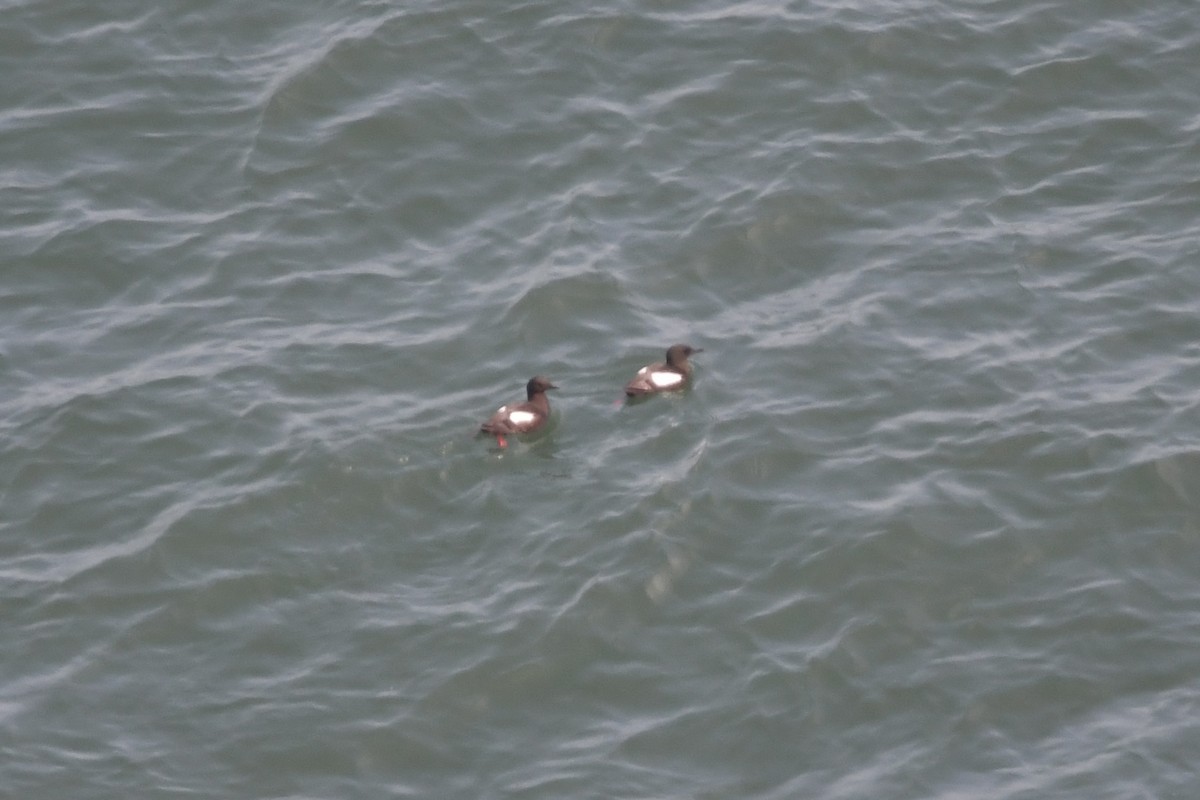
x=927 y=526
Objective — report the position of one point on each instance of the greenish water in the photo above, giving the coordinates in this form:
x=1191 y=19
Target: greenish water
x=925 y=527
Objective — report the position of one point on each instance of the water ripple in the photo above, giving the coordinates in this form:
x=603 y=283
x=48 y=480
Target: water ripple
x=931 y=501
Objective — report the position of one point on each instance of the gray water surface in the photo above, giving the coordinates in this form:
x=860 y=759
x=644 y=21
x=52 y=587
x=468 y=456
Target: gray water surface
x=927 y=525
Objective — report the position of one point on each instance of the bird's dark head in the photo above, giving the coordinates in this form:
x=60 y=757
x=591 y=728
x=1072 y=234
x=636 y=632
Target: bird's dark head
x=677 y=354
x=538 y=384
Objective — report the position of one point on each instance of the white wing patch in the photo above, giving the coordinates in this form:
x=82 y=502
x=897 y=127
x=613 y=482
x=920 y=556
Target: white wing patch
x=664 y=380
x=521 y=417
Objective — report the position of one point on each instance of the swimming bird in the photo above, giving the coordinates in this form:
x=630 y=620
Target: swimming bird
x=521 y=417
x=675 y=373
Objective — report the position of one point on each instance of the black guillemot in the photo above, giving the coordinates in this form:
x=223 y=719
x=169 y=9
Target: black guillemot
x=675 y=373
x=521 y=417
